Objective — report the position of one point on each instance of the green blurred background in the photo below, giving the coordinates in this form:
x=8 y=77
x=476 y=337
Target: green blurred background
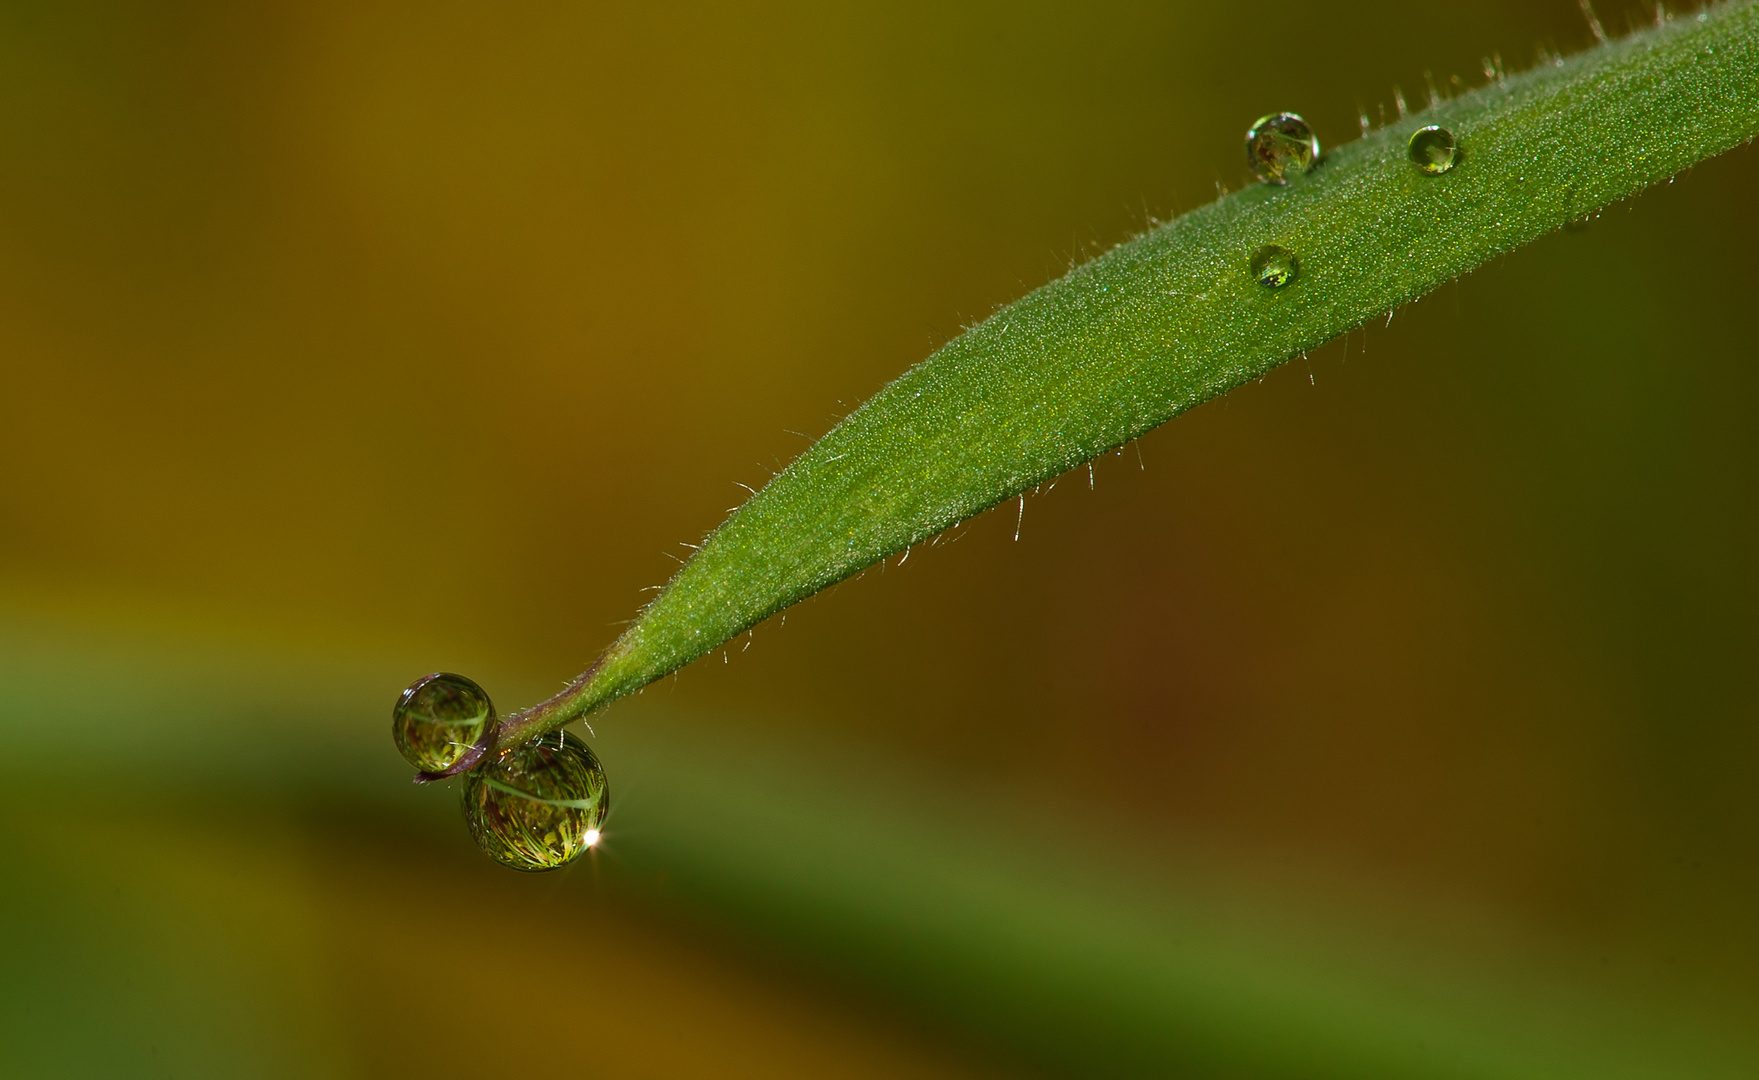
x=1391 y=717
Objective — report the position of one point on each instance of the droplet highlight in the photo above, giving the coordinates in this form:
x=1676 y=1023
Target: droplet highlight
x=1273 y=267
x=439 y=719
x=538 y=806
x=1432 y=150
x=1280 y=147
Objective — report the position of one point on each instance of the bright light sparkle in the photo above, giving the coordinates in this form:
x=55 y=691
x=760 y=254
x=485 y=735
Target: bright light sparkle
x=592 y=837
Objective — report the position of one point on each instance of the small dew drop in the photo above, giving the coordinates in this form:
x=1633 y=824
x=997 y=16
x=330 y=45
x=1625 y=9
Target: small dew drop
x=537 y=806
x=1273 y=267
x=1280 y=147
x=1432 y=150
x=438 y=720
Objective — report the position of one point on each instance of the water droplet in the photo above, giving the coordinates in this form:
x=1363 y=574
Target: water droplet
x=1280 y=147
x=537 y=806
x=439 y=719
x=1432 y=150
x=1273 y=267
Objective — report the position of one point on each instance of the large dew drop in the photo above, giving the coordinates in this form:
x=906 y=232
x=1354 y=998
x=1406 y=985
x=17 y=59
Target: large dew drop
x=1273 y=267
x=1280 y=147
x=1432 y=150
x=439 y=719
x=537 y=806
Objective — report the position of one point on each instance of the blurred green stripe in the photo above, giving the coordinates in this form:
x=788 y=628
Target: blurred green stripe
x=1096 y=959
x=1025 y=926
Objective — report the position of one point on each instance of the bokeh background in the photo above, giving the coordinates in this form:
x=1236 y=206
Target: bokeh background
x=1390 y=717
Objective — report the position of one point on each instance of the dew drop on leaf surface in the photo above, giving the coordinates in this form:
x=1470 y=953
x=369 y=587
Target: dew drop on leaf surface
x=1280 y=147
x=537 y=806
x=1273 y=267
x=1432 y=150
x=438 y=720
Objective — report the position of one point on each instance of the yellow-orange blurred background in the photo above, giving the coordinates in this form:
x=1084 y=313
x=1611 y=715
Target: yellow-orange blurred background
x=343 y=342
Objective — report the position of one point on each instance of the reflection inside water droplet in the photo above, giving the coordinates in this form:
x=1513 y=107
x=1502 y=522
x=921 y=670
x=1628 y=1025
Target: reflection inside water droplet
x=537 y=806
x=439 y=719
x=1273 y=267
x=1280 y=147
x=1432 y=150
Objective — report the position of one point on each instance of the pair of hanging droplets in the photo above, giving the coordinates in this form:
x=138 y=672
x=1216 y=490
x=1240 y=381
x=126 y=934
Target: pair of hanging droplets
x=536 y=806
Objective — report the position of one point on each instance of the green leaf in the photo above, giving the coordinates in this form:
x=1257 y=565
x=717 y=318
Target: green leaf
x=1175 y=317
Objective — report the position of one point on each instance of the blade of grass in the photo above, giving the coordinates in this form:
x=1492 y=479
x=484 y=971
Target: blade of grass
x=1174 y=317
